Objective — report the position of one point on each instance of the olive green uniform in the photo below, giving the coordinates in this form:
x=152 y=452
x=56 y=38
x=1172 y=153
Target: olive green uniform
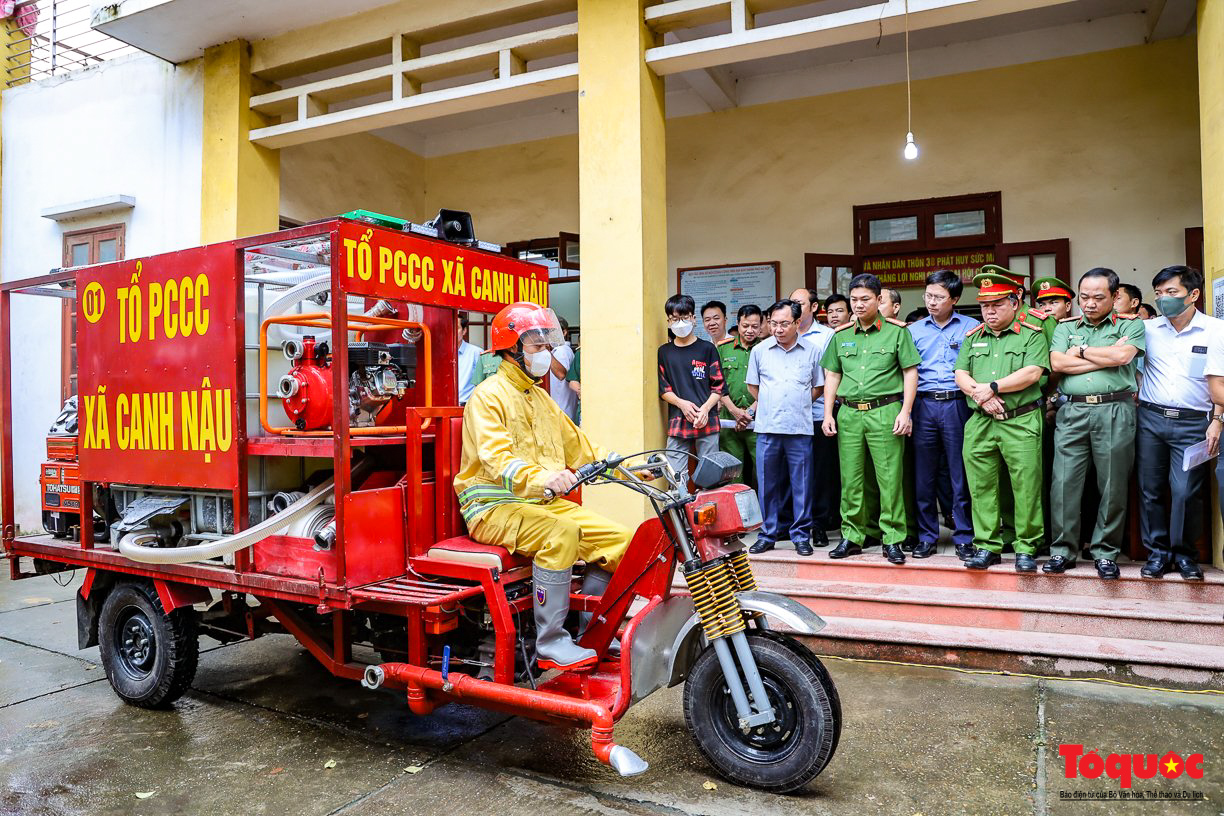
x=1100 y=433
x=486 y=366
x=871 y=363
x=733 y=357
x=994 y=447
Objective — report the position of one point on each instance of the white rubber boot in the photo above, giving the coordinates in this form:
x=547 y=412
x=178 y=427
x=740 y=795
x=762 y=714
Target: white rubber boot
x=555 y=649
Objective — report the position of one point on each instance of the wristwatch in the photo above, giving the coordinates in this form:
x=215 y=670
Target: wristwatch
x=1082 y=348
x=994 y=386
x=1218 y=418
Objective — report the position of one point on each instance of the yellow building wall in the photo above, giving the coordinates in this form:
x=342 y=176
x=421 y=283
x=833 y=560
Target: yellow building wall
x=327 y=178
x=1102 y=149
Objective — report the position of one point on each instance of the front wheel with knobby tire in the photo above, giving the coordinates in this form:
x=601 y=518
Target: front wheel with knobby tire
x=781 y=756
x=149 y=655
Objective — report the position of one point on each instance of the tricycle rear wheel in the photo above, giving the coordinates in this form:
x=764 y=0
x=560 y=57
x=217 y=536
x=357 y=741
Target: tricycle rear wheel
x=149 y=655
x=784 y=755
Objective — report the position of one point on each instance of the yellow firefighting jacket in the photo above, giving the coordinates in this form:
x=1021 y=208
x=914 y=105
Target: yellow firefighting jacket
x=514 y=435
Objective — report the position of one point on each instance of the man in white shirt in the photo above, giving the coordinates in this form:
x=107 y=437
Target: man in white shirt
x=563 y=358
x=466 y=359
x=1175 y=412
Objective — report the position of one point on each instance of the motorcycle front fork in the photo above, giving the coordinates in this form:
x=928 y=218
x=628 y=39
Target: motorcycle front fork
x=714 y=587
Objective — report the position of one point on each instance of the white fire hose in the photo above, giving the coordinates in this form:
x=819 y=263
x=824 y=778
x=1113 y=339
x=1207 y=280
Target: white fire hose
x=278 y=333
x=134 y=544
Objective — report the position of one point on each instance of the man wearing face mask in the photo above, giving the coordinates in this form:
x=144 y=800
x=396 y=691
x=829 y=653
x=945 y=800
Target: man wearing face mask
x=518 y=444
x=691 y=383
x=1175 y=412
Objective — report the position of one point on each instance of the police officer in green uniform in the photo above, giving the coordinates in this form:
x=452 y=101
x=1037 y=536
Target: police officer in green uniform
x=733 y=354
x=999 y=368
x=1053 y=297
x=871 y=363
x=486 y=366
x=1096 y=354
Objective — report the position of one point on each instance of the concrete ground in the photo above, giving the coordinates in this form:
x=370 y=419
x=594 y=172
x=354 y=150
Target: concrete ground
x=264 y=730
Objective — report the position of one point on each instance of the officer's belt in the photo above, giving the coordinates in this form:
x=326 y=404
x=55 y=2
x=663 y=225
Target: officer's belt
x=940 y=396
x=1176 y=413
x=867 y=405
x=1015 y=412
x=1101 y=399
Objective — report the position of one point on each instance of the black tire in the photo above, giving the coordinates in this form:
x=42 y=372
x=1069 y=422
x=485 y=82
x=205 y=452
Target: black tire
x=780 y=757
x=826 y=680
x=150 y=657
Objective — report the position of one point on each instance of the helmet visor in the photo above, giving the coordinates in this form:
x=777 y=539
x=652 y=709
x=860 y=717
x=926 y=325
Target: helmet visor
x=551 y=337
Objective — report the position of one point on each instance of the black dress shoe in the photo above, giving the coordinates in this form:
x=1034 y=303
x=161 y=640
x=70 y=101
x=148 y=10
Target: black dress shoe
x=925 y=549
x=1107 y=570
x=964 y=551
x=820 y=539
x=1188 y=568
x=1025 y=563
x=761 y=547
x=844 y=549
x=1058 y=564
x=983 y=559
x=908 y=544
x=871 y=541
x=1157 y=565
x=894 y=554
x=802 y=547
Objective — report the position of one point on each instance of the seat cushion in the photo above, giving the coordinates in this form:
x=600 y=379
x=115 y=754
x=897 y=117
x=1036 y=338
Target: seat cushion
x=464 y=550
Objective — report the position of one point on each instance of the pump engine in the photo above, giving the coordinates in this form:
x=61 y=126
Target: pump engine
x=378 y=373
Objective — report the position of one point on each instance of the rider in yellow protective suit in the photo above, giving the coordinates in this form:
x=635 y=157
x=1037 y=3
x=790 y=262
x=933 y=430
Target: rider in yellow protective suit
x=517 y=443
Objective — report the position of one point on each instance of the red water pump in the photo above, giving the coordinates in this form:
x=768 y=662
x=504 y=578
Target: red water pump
x=378 y=373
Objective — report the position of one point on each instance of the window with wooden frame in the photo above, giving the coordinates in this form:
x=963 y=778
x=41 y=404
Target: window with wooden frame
x=562 y=256
x=82 y=248
x=927 y=224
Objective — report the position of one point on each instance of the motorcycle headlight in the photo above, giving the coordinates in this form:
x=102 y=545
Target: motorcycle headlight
x=749 y=508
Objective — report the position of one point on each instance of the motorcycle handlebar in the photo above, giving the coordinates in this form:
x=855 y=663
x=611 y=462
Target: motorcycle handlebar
x=587 y=472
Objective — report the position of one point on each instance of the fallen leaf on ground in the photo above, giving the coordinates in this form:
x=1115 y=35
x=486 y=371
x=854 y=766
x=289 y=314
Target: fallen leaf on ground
x=331 y=763
x=144 y=794
x=414 y=769
x=275 y=771
x=709 y=785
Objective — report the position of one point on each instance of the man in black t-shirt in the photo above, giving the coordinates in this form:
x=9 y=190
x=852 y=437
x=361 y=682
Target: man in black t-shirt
x=691 y=383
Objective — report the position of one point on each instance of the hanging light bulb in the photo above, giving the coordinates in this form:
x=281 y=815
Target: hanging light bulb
x=910 y=152
x=911 y=149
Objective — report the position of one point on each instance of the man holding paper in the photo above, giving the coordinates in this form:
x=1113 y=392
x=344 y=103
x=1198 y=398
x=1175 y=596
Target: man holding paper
x=1096 y=355
x=1175 y=413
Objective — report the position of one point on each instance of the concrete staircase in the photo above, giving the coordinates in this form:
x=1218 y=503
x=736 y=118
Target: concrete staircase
x=936 y=611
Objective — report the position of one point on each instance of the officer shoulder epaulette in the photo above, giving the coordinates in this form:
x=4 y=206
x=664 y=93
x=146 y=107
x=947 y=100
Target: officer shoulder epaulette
x=1128 y=316
x=844 y=326
x=728 y=339
x=1029 y=325
x=1069 y=319
x=896 y=322
x=975 y=329
x=1039 y=313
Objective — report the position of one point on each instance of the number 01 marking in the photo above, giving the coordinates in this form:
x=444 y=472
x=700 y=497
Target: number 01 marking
x=93 y=301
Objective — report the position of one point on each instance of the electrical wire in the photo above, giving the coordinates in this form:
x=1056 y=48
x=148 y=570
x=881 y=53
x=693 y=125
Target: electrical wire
x=909 y=107
x=1004 y=673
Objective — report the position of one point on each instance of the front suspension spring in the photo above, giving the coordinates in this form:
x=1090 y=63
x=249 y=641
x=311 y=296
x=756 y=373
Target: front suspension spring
x=745 y=581
x=713 y=588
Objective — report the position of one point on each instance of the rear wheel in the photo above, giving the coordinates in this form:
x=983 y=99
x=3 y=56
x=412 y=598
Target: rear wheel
x=149 y=655
x=783 y=755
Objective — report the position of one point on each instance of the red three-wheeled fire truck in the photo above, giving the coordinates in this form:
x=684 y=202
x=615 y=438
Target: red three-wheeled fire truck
x=264 y=440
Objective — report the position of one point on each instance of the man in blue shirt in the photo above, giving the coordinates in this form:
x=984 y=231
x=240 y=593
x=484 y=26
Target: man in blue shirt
x=467 y=357
x=940 y=414
x=785 y=378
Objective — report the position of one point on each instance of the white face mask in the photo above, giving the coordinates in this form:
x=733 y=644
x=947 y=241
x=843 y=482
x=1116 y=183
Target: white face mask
x=538 y=363
x=682 y=328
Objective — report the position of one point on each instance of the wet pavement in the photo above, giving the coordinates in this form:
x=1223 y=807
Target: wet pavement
x=265 y=730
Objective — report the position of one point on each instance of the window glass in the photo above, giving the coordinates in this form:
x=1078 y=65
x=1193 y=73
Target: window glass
x=108 y=250
x=887 y=230
x=969 y=222
x=843 y=279
x=79 y=253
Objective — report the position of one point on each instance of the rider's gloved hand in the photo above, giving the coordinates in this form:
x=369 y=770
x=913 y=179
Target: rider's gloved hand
x=560 y=481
